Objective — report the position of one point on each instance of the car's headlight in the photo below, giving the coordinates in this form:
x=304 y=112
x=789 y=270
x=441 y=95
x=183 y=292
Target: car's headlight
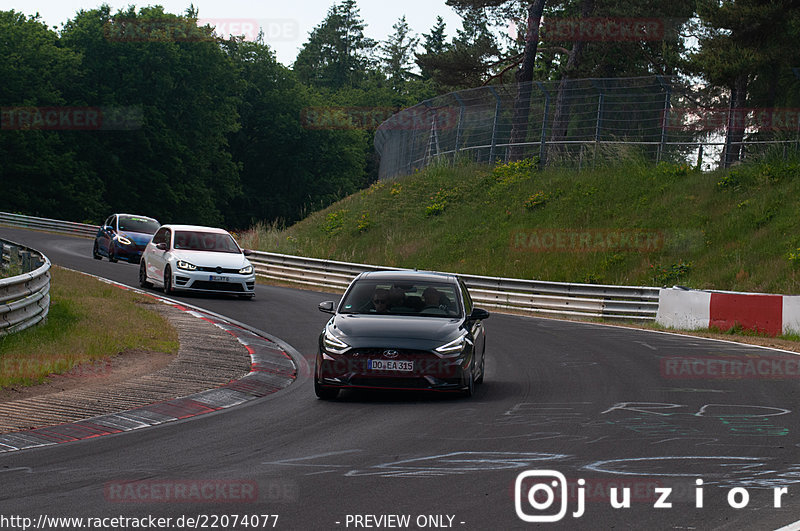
x=334 y=344
x=453 y=348
x=247 y=270
x=183 y=264
x=123 y=240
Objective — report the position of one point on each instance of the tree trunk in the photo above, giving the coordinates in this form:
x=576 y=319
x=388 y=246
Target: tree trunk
x=561 y=115
x=736 y=121
x=524 y=77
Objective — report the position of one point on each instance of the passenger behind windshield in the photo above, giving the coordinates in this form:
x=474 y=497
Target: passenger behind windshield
x=380 y=300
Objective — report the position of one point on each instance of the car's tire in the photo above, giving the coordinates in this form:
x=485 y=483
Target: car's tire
x=479 y=379
x=168 y=290
x=470 y=389
x=111 y=256
x=324 y=393
x=143 y=276
x=96 y=252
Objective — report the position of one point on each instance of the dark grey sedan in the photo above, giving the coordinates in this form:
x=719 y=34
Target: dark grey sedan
x=402 y=330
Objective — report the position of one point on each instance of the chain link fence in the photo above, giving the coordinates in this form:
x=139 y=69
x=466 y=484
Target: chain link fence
x=579 y=122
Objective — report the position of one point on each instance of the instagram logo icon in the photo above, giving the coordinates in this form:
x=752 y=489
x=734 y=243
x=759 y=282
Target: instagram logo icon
x=541 y=496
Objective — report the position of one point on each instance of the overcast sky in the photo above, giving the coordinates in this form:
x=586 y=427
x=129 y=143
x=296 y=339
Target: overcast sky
x=286 y=23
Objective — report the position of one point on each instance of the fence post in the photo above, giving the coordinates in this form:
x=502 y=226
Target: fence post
x=796 y=72
x=543 y=147
x=665 y=120
x=460 y=125
x=494 y=126
x=599 y=123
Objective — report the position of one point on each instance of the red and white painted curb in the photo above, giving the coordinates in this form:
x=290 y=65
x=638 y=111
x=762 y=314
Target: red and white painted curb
x=691 y=310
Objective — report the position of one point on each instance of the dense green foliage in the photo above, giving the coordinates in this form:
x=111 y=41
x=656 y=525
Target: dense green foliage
x=203 y=129
x=215 y=132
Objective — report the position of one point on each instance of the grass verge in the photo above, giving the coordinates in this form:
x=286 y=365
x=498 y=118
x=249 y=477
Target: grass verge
x=88 y=321
x=731 y=229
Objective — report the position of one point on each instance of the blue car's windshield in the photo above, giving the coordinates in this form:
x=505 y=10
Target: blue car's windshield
x=422 y=298
x=138 y=224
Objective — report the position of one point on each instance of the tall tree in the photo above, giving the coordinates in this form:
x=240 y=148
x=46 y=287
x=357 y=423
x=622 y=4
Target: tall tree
x=747 y=46
x=397 y=54
x=337 y=54
x=291 y=162
x=40 y=172
x=174 y=163
x=468 y=60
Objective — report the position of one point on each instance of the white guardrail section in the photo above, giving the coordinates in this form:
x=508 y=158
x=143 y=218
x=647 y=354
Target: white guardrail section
x=24 y=298
x=52 y=225
x=586 y=300
x=562 y=298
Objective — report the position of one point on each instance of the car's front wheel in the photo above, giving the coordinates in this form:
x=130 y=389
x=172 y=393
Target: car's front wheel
x=470 y=388
x=111 y=255
x=143 y=275
x=479 y=379
x=324 y=393
x=168 y=281
x=96 y=252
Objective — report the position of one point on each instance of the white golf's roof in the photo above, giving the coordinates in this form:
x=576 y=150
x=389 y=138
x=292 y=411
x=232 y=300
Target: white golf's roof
x=198 y=228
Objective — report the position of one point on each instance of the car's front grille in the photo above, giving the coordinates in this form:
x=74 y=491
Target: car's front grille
x=220 y=272
x=217 y=286
x=380 y=353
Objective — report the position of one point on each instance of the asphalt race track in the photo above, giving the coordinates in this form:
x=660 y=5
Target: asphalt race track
x=616 y=407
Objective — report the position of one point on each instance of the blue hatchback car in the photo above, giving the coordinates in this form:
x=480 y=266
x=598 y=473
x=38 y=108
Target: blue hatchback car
x=124 y=237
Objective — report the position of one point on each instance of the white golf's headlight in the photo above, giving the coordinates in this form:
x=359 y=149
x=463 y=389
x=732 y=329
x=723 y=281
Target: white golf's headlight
x=334 y=344
x=183 y=264
x=247 y=270
x=453 y=348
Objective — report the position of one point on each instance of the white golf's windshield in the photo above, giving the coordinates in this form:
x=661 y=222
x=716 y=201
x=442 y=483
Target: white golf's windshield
x=205 y=241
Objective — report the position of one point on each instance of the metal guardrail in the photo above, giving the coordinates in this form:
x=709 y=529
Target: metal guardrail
x=52 y=225
x=24 y=298
x=561 y=298
x=584 y=300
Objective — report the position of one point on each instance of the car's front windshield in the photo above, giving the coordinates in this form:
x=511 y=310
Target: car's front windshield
x=401 y=297
x=138 y=224
x=205 y=241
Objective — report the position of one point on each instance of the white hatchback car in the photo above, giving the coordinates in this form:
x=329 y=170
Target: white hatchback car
x=195 y=258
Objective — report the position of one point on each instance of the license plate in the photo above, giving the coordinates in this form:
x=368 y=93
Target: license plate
x=215 y=278
x=390 y=365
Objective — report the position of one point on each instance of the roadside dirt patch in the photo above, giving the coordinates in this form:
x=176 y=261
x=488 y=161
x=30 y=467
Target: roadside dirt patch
x=115 y=369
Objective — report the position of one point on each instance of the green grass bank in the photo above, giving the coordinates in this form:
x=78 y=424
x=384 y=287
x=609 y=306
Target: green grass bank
x=633 y=224
x=88 y=321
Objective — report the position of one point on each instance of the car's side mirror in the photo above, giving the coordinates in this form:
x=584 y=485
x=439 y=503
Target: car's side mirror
x=247 y=252
x=327 y=307
x=478 y=314
x=108 y=228
x=162 y=246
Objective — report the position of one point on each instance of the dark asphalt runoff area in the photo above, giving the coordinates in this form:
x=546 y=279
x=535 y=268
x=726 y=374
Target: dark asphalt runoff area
x=648 y=413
